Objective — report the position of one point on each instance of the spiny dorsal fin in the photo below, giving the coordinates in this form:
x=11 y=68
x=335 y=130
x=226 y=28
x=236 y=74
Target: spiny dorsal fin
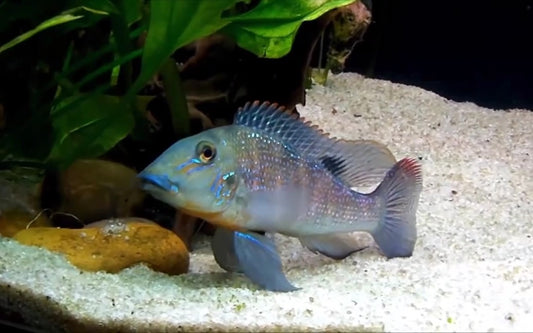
x=357 y=163
x=303 y=136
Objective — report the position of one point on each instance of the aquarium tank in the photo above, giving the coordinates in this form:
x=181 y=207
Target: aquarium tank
x=265 y=165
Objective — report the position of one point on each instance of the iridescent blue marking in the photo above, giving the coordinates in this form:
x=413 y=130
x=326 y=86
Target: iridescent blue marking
x=215 y=182
x=199 y=168
x=161 y=181
x=219 y=202
x=220 y=187
x=229 y=174
x=219 y=190
x=185 y=164
x=216 y=188
x=255 y=241
x=223 y=191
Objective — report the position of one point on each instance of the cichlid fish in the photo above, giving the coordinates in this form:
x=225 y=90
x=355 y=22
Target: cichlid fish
x=274 y=172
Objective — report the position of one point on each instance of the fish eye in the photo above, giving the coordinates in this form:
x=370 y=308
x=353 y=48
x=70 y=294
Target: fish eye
x=206 y=151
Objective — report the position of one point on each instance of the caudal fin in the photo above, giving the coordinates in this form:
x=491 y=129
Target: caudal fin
x=401 y=187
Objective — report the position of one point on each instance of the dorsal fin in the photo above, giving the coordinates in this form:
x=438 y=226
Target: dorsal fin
x=359 y=163
x=356 y=163
x=308 y=140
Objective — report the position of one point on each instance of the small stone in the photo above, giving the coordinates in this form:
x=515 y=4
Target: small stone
x=95 y=248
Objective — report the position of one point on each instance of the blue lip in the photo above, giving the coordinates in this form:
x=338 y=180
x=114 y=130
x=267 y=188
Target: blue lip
x=160 y=181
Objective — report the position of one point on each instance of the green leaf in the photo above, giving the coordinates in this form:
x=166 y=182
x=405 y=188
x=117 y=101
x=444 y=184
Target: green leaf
x=102 y=7
x=132 y=10
x=88 y=128
x=269 y=29
x=174 y=24
x=56 y=20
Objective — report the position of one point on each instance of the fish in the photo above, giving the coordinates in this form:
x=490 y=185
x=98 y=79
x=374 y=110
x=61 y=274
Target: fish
x=272 y=171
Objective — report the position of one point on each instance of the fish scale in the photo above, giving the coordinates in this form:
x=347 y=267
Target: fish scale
x=268 y=165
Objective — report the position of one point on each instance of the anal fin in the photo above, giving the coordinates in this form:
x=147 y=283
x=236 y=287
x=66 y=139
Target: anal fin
x=337 y=246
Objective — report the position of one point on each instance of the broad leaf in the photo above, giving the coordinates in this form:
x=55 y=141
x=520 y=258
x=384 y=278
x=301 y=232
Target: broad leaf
x=174 y=24
x=88 y=128
x=269 y=29
x=132 y=10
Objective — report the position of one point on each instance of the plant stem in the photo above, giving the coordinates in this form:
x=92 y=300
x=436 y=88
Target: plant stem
x=124 y=47
x=176 y=98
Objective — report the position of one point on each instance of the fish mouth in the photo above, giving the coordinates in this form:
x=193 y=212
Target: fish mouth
x=151 y=182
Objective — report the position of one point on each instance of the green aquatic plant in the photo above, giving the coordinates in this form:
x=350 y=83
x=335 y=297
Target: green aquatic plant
x=89 y=98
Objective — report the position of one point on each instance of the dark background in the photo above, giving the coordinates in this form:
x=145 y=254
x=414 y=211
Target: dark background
x=477 y=51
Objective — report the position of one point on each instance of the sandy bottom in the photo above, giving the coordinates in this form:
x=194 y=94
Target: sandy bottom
x=472 y=269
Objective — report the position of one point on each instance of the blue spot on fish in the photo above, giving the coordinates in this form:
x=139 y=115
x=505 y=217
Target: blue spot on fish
x=229 y=174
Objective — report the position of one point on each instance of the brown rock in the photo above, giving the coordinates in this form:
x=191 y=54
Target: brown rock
x=93 y=190
x=114 y=245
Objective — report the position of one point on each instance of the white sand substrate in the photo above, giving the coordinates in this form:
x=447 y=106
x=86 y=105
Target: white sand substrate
x=472 y=269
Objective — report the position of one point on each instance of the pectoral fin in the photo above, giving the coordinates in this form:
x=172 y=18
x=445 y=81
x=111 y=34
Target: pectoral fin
x=254 y=255
x=336 y=246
